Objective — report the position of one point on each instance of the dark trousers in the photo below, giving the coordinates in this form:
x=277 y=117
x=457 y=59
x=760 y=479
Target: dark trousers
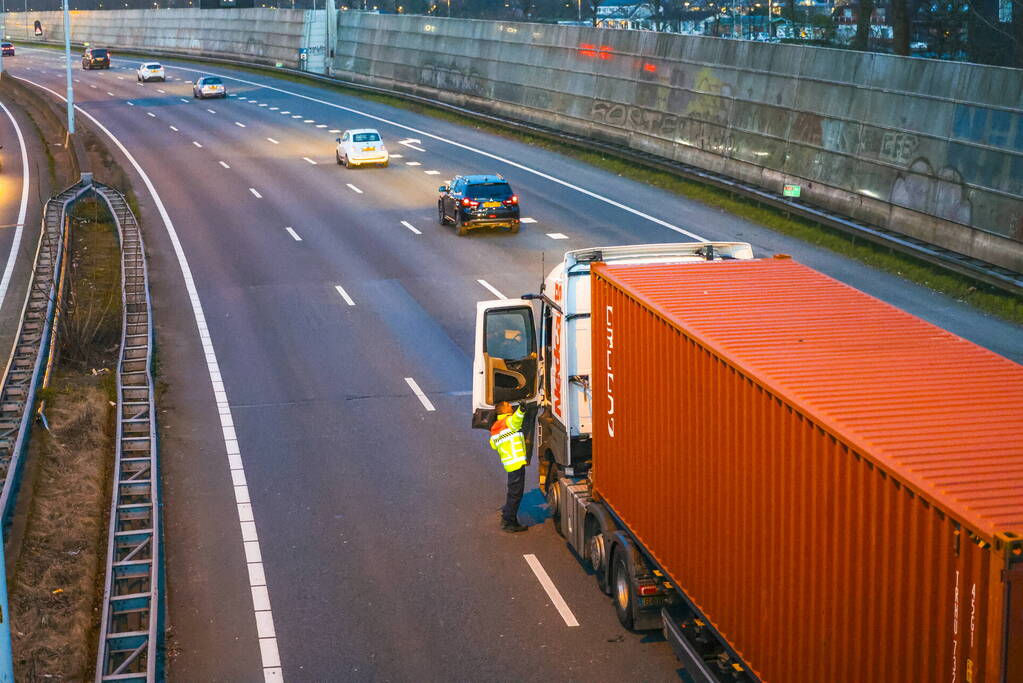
x=516 y=485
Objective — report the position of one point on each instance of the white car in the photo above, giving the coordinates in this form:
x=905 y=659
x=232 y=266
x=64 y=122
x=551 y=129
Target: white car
x=361 y=146
x=151 y=71
x=209 y=86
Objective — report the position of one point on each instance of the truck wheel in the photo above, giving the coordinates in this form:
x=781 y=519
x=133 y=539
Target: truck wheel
x=553 y=496
x=622 y=590
x=596 y=554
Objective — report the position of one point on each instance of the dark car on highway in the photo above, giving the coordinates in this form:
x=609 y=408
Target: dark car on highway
x=8 y=49
x=96 y=58
x=472 y=201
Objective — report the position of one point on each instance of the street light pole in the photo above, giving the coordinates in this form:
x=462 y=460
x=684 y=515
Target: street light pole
x=67 y=68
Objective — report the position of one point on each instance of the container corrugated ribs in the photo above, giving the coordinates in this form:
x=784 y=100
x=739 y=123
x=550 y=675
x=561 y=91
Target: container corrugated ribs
x=941 y=413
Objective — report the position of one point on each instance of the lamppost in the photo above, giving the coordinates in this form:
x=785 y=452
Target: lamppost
x=67 y=68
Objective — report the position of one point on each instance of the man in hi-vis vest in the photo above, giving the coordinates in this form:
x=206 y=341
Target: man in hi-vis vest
x=506 y=438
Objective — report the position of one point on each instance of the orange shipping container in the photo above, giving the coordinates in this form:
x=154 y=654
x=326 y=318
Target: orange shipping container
x=836 y=484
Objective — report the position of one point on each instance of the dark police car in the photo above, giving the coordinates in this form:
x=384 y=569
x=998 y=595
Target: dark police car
x=471 y=201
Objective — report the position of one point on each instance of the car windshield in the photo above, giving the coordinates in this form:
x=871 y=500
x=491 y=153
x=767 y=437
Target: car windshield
x=366 y=137
x=211 y=81
x=489 y=191
x=7 y=45
x=99 y=53
x=153 y=66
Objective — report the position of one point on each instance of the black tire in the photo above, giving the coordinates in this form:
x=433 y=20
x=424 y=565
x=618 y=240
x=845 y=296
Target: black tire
x=622 y=590
x=596 y=554
x=344 y=161
x=553 y=496
x=514 y=228
x=460 y=225
x=338 y=157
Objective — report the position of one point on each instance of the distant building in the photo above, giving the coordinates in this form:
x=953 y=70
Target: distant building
x=625 y=14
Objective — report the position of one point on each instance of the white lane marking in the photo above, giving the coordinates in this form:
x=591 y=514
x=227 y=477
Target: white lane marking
x=296 y=116
x=255 y=193
x=223 y=164
x=551 y=589
x=253 y=101
x=196 y=144
x=111 y=94
x=353 y=188
x=411 y=227
x=309 y=160
x=393 y=156
x=344 y=295
x=274 y=108
x=334 y=130
x=268 y=646
x=212 y=111
x=410 y=143
x=174 y=129
x=239 y=124
x=309 y=121
x=321 y=125
x=120 y=78
x=419 y=394
x=92 y=86
x=149 y=113
x=78 y=81
x=161 y=91
x=492 y=289
x=285 y=112
x=264 y=105
x=273 y=141
x=130 y=104
x=184 y=99
x=557 y=236
x=412 y=163
x=529 y=220
x=5 y=281
x=469 y=148
x=293 y=234
x=432 y=172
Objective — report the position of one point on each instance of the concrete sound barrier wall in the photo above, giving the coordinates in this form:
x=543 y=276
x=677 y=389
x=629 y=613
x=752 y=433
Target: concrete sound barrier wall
x=926 y=148
x=263 y=36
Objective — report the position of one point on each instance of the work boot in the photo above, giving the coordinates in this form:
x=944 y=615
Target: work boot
x=512 y=527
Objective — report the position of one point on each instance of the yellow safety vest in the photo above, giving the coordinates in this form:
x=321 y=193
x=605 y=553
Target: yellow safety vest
x=506 y=438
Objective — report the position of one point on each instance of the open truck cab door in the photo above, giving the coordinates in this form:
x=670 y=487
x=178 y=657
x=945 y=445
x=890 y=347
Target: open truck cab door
x=505 y=364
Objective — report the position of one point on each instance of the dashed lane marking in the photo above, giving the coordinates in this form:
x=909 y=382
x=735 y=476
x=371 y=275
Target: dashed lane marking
x=309 y=160
x=353 y=188
x=223 y=164
x=529 y=220
x=411 y=227
x=197 y=144
x=239 y=124
x=174 y=129
x=493 y=290
x=273 y=141
x=557 y=236
x=551 y=590
x=412 y=163
x=294 y=234
x=344 y=295
x=432 y=172
x=149 y=113
x=419 y=394
x=255 y=193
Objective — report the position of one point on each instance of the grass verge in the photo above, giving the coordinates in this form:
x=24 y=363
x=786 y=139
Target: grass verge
x=56 y=587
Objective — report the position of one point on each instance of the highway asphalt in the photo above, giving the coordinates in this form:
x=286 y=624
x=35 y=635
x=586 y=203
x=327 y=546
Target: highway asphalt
x=377 y=552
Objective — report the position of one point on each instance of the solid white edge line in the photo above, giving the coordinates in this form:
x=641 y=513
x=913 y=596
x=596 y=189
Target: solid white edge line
x=294 y=234
x=5 y=282
x=344 y=295
x=411 y=227
x=552 y=590
x=492 y=289
x=271 y=665
x=419 y=394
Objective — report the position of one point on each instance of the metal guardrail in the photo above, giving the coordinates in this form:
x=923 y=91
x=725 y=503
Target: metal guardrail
x=131 y=624
x=27 y=361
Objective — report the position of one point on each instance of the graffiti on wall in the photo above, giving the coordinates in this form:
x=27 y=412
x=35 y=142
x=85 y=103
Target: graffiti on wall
x=450 y=76
x=898 y=147
x=942 y=193
x=638 y=119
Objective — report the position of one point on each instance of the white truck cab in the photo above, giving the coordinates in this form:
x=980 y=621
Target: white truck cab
x=537 y=349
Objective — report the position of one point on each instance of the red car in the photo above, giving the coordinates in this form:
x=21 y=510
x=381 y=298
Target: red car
x=8 y=49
